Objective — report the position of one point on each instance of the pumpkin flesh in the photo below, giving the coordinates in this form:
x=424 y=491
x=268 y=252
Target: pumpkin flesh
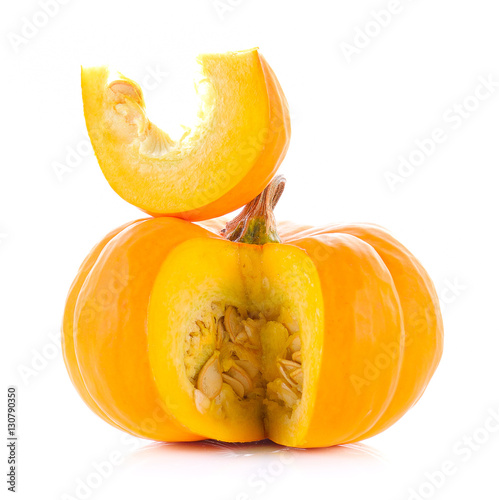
x=251 y=278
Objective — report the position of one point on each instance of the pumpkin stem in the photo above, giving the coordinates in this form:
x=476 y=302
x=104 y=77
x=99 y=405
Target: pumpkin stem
x=256 y=224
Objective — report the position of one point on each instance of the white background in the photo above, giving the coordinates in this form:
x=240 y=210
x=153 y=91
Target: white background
x=352 y=117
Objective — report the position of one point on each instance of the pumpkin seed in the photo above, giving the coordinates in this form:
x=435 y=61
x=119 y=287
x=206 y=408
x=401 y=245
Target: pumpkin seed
x=252 y=328
x=220 y=334
x=124 y=87
x=202 y=402
x=288 y=364
x=295 y=343
x=241 y=376
x=285 y=375
x=232 y=322
x=250 y=368
x=292 y=326
x=286 y=394
x=237 y=387
x=297 y=376
x=210 y=377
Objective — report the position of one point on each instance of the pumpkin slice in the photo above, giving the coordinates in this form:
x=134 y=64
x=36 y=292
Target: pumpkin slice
x=223 y=162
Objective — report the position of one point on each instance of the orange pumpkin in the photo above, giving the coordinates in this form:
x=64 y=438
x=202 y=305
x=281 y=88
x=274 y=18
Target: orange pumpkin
x=310 y=337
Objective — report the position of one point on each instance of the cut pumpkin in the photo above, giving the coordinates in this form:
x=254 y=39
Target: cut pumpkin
x=314 y=338
x=225 y=161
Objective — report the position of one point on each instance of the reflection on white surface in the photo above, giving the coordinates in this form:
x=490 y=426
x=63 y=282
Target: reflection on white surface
x=217 y=450
x=244 y=471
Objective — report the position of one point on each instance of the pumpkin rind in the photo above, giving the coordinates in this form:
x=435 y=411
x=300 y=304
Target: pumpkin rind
x=110 y=328
x=67 y=337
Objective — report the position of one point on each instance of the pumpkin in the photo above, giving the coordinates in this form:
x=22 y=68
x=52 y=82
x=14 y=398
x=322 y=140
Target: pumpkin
x=176 y=331
x=219 y=165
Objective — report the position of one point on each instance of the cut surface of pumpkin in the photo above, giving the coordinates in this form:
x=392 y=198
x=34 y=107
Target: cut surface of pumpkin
x=218 y=323
x=224 y=161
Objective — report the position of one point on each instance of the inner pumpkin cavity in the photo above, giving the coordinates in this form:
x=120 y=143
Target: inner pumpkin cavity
x=244 y=351
x=131 y=123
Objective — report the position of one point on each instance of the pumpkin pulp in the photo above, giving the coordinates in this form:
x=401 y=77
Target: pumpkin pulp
x=238 y=327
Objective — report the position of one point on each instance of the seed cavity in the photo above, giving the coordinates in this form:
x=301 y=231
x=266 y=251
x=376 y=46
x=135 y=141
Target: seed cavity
x=225 y=348
x=130 y=106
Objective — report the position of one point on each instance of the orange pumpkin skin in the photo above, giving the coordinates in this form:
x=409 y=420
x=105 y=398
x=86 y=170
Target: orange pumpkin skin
x=106 y=349
x=67 y=340
x=380 y=310
x=421 y=340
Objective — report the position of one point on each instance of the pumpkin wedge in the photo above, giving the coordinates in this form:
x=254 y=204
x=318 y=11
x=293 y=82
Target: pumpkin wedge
x=311 y=337
x=228 y=158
